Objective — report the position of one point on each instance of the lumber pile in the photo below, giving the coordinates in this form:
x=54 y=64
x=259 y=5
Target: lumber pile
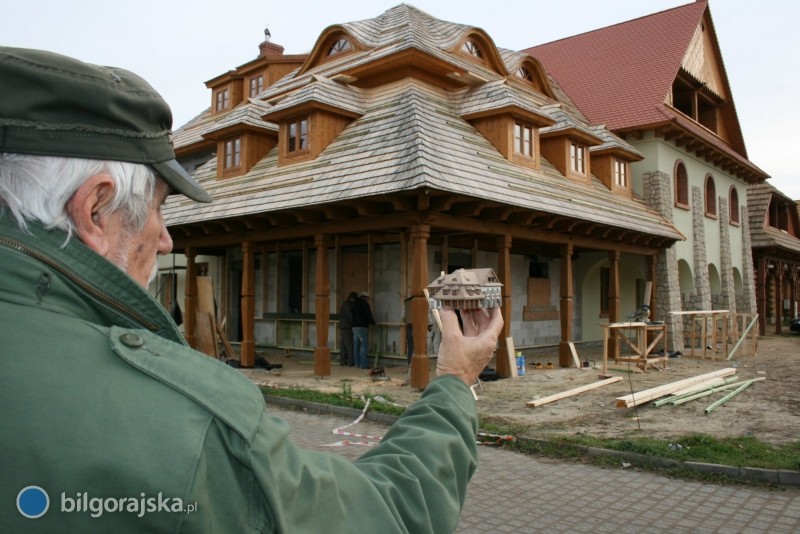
x=641 y=397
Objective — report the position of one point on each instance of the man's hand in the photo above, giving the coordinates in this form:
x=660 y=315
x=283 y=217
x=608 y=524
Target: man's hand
x=466 y=355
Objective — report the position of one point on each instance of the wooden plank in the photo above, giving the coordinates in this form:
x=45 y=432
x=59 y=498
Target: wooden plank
x=647 y=395
x=206 y=337
x=575 y=358
x=571 y=392
x=512 y=358
x=228 y=348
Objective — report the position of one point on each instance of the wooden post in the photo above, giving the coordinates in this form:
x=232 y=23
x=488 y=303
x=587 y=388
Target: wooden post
x=247 y=350
x=613 y=298
x=322 y=353
x=564 y=354
x=502 y=364
x=420 y=365
x=304 y=340
x=778 y=296
x=651 y=277
x=761 y=294
x=190 y=299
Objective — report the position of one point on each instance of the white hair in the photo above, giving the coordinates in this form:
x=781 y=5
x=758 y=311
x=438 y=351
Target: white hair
x=39 y=188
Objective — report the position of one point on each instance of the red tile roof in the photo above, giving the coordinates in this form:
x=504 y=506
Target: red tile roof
x=619 y=75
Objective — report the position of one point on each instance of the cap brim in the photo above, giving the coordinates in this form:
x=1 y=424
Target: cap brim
x=180 y=180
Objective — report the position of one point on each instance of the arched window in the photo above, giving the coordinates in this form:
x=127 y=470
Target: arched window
x=340 y=47
x=524 y=74
x=711 y=197
x=681 y=186
x=472 y=49
x=733 y=206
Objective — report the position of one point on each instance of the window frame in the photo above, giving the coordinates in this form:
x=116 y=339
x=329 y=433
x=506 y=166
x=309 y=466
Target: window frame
x=621 y=170
x=681 y=183
x=222 y=99
x=292 y=139
x=256 y=85
x=710 y=200
x=232 y=154
x=577 y=158
x=734 y=207
x=333 y=50
x=520 y=143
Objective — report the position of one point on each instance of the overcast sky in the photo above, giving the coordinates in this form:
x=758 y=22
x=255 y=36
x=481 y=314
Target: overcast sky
x=177 y=45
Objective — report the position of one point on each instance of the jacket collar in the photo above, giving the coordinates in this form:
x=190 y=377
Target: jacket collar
x=90 y=286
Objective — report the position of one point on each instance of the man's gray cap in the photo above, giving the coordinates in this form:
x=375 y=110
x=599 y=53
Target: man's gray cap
x=54 y=105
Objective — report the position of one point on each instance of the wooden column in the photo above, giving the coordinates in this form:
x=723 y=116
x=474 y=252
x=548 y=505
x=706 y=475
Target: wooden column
x=502 y=365
x=778 y=296
x=761 y=295
x=190 y=299
x=420 y=364
x=564 y=353
x=322 y=309
x=651 y=277
x=613 y=298
x=247 y=356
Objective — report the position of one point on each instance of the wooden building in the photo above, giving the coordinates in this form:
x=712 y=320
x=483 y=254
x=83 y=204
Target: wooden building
x=399 y=147
x=775 y=231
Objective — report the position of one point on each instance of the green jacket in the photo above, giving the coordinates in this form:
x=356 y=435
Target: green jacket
x=103 y=406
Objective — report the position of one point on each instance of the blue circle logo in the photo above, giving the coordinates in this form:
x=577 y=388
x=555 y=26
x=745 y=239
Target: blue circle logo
x=33 y=502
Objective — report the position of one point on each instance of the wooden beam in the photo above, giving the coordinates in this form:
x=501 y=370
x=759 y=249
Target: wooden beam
x=572 y=392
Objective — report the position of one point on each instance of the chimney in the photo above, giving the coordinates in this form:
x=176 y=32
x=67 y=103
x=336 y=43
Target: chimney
x=268 y=48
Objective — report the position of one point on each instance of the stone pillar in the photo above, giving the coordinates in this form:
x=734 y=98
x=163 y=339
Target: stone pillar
x=702 y=287
x=748 y=271
x=726 y=262
x=658 y=193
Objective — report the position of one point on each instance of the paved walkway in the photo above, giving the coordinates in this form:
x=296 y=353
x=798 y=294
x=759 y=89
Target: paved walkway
x=511 y=492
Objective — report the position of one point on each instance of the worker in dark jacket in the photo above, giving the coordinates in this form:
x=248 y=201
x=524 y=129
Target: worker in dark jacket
x=362 y=320
x=346 y=354
x=110 y=422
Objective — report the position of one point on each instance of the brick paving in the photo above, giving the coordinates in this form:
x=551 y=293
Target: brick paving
x=512 y=493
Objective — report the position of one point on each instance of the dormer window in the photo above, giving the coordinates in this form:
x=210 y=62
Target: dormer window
x=256 y=85
x=232 y=157
x=524 y=140
x=621 y=173
x=524 y=74
x=223 y=100
x=471 y=49
x=577 y=157
x=297 y=136
x=340 y=47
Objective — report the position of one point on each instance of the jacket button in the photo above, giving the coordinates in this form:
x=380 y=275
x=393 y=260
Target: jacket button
x=131 y=340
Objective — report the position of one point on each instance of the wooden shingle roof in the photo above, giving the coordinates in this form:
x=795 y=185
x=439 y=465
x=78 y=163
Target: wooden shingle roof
x=762 y=235
x=409 y=135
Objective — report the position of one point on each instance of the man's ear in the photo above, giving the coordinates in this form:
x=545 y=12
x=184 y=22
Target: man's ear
x=88 y=210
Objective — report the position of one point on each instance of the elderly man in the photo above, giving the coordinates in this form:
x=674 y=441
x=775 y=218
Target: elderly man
x=110 y=422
